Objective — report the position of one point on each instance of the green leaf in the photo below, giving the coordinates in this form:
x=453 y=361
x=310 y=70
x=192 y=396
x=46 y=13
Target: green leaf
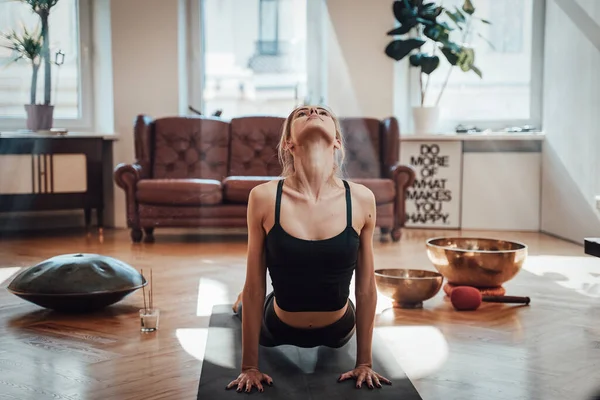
x=451 y=46
x=485 y=21
x=466 y=58
x=476 y=70
x=398 y=49
x=445 y=26
x=437 y=33
x=429 y=64
x=415 y=59
x=430 y=13
x=450 y=55
x=454 y=19
x=460 y=16
x=404 y=29
x=426 y=22
x=468 y=7
x=403 y=10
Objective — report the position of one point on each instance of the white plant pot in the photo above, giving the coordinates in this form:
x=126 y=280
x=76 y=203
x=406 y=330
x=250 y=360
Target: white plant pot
x=426 y=119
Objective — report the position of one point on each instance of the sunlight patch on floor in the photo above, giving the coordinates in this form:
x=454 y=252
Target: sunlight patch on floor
x=419 y=350
x=6 y=273
x=210 y=293
x=193 y=341
x=581 y=274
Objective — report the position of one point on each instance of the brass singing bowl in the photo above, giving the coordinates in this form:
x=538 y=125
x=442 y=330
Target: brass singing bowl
x=478 y=262
x=408 y=288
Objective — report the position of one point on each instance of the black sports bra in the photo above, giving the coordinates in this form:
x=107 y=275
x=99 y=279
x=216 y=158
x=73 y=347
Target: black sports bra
x=311 y=275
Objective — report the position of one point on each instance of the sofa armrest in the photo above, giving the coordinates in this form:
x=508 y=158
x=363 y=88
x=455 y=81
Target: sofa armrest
x=127 y=176
x=404 y=177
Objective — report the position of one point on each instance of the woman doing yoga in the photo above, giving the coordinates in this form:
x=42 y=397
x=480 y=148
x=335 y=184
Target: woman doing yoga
x=311 y=230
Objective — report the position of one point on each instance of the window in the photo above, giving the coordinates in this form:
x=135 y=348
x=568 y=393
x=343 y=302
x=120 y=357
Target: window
x=69 y=35
x=254 y=56
x=268 y=40
x=508 y=52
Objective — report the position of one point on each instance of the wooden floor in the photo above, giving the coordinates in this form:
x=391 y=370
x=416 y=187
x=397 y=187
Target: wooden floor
x=549 y=350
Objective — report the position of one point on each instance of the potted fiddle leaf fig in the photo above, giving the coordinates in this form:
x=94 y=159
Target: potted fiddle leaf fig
x=421 y=36
x=40 y=116
x=26 y=46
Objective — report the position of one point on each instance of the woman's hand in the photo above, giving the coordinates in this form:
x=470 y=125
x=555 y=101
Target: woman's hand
x=249 y=378
x=364 y=373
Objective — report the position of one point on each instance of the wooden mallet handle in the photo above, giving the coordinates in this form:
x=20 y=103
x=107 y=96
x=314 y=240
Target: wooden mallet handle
x=506 y=299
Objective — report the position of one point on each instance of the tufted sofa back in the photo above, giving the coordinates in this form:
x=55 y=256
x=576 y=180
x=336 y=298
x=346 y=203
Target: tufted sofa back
x=254 y=143
x=210 y=148
x=190 y=148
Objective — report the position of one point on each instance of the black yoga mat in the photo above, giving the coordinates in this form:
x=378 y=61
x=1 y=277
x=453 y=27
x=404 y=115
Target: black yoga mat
x=302 y=374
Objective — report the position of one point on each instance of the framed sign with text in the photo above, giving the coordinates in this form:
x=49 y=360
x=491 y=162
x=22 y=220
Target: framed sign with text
x=434 y=200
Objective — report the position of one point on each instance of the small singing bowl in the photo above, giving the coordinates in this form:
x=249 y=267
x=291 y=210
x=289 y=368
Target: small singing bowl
x=478 y=262
x=408 y=288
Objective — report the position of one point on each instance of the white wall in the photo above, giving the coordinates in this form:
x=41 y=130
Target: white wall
x=146 y=71
x=571 y=159
x=360 y=76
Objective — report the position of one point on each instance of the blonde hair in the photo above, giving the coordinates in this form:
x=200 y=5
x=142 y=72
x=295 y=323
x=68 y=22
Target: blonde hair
x=285 y=156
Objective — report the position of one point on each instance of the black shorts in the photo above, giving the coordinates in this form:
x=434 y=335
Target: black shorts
x=275 y=332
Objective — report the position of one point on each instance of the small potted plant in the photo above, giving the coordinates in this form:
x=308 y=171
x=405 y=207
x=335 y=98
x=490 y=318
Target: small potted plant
x=27 y=46
x=40 y=116
x=424 y=25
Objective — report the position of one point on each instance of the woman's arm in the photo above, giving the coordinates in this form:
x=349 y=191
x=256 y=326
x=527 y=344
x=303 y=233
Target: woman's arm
x=365 y=289
x=253 y=294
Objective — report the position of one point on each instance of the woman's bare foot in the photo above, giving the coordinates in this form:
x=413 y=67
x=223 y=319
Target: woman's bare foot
x=237 y=302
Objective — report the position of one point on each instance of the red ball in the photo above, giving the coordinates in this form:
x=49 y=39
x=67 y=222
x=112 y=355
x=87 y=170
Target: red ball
x=465 y=298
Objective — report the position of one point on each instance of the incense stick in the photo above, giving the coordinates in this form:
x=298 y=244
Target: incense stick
x=151 y=291
x=144 y=293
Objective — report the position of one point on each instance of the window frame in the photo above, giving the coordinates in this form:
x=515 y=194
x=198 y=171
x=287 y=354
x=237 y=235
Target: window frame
x=403 y=106
x=262 y=49
x=317 y=59
x=86 y=96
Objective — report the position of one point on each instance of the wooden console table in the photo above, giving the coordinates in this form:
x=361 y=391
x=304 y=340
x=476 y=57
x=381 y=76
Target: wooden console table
x=592 y=246
x=50 y=172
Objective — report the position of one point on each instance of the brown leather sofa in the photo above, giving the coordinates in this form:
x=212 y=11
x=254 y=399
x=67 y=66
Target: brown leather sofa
x=198 y=171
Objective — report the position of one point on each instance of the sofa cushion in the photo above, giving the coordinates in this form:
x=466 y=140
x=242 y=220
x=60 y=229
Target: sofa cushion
x=236 y=189
x=187 y=148
x=223 y=211
x=254 y=143
x=383 y=189
x=183 y=192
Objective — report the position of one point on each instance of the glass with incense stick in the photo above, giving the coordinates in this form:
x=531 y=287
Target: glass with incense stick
x=149 y=315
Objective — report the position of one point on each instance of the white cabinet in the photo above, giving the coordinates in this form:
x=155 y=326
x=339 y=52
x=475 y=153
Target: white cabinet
x=501 y=191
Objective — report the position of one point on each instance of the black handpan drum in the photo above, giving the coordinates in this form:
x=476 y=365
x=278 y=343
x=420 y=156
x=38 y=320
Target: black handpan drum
x=77 y=282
